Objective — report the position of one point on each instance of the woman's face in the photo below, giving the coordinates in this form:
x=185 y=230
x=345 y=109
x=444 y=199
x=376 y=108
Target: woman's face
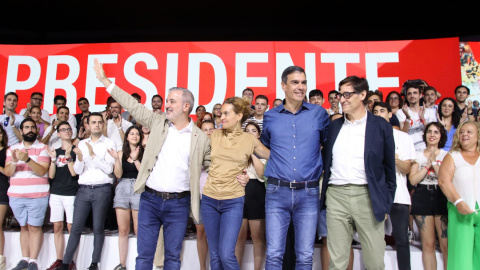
x=35 y=113
x=447 y=108
x=208 y=128
x=145 y=130
x=252 y=130
x=433 y=135
x=371 y=100
x=207 y=117
x=133 y=136
x=229 y=118
x=85 y=123
x=200 y=111
x=394 y=101
x=468 y=136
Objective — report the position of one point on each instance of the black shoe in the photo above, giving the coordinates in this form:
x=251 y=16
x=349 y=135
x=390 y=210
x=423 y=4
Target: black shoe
x=93 y=266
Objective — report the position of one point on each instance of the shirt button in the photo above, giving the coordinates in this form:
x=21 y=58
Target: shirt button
x=294 y=157
x=294 y=146
x=294 y=135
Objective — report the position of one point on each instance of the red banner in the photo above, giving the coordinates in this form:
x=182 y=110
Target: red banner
x=214 y=71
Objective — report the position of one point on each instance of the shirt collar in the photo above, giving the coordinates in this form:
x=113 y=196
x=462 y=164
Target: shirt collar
x=101 y=139
x=187 y=129
x=33 y=144
x=305 y=106
x=361 y=121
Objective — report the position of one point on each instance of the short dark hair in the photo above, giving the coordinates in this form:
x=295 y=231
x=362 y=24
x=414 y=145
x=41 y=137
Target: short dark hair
x=383 y=105
x=289 y=70
x=59 y=97
x=93 y=114
x=417 y=83
x=10 y=94
x=63 y=108
x=28 y=119
x=332 y=92
x=443 y=133
x=315 y=92
x=36 y=93
x=157 y=95
x=428 y=88
x=81 y=99
x=247 y=89
x=358 y=84
x=62 y=124
x=262 y=97
x=136 y=95
x=462 y=86
x=400 y=99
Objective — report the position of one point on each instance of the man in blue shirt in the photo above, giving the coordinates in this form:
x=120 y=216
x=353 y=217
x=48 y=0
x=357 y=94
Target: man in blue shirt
x=294 y=132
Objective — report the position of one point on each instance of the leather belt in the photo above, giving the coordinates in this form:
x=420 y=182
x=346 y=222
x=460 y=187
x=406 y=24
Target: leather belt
x=293 y=184
x=95 y=186
x=167 y=195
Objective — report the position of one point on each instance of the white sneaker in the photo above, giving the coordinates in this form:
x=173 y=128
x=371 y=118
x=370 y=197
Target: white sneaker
x=3 y=262
x=411 y=237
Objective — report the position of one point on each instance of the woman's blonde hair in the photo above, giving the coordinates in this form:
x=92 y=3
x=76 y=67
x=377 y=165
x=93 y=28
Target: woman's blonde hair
x=240 y=105
x=456 y=146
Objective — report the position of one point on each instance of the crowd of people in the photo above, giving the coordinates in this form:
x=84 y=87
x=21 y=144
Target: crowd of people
x=286 y=176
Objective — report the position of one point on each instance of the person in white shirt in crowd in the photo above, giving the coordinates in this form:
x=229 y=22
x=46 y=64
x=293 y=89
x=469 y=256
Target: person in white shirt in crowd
x=399 y=214
x=335 y=106
x=61 y=101
x=465 y=105
x=36 y=99
x=411 y=116
x=10 y=119
x=95 y=167
x=116 y=126
x=63 y=188
x=50 y=135
x=27 y=165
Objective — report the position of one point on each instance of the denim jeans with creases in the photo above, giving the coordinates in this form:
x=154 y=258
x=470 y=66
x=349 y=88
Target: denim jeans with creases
x=154 y=212
x=222 y=220
x=283 y=204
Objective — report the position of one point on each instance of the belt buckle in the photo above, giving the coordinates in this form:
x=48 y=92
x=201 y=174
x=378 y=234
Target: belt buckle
x=292 y=187
x=164 y=195
x=91 y=186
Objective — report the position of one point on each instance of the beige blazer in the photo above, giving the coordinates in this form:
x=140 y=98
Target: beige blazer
x=158 y=125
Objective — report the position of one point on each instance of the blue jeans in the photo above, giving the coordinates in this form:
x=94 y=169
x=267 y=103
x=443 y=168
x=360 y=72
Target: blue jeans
x=222 y=220
x=281 y=205
x=152 y=214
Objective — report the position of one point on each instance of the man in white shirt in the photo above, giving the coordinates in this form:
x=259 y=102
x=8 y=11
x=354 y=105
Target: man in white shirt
x=50 y=136
x=36 y=99
x=94 y=165
x=412 y=116
x=117 y=126
x=169 y=173
x=404 y=155
x=61 y=101
x=334 y=103
x=10 y=119
x=359 y=178
x=430 y=96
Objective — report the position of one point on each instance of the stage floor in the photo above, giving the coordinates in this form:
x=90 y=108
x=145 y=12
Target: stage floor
x=190 y=256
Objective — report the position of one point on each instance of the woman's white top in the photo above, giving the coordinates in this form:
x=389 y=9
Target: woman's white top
x=252 y=174
x=466 y=179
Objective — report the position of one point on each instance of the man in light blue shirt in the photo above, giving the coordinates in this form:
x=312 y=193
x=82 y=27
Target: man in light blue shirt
x=295 y=133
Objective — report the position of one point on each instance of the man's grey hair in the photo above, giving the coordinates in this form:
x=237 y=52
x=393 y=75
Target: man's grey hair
x=186 y=95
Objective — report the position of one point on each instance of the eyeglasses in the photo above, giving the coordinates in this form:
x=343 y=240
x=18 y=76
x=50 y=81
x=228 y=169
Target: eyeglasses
x=7 y=119
x=37 y=99
x=217 y=108
x=346 y=95
x=65 y=130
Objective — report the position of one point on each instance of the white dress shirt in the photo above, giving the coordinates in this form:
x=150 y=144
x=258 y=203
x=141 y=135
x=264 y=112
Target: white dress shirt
x=348 y=154
x=406 y=151
x=113 y=132
x=99 y=169
x=171 y=172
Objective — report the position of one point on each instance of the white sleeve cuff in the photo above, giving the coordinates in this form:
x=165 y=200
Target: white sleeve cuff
x=109 y=89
